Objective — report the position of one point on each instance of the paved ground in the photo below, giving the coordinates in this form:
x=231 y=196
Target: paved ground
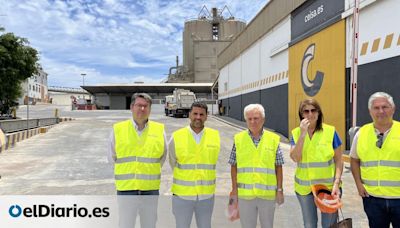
x=71 y=160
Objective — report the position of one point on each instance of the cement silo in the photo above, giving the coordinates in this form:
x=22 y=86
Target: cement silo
x=203 y=39
x=194 y=30
x=230 y=28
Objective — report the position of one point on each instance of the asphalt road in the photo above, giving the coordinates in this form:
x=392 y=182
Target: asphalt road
x=71 y=159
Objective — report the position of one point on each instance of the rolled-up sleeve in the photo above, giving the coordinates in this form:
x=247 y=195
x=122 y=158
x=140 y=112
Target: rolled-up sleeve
x=232 y=157
x=279 y=156
x=353 y=149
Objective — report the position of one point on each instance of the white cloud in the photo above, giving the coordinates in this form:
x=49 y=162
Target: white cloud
x=135 y=40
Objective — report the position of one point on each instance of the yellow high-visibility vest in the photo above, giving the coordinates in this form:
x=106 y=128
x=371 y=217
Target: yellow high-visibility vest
x=137 y=166
x=380 y=167
x=256 y=175
x=317 y=165
x=194 y=173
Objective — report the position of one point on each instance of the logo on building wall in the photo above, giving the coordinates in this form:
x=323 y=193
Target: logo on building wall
x=311 y=88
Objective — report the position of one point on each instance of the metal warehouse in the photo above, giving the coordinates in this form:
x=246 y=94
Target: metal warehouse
x=296 y=49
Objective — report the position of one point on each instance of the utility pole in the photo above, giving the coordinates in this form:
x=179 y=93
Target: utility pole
x=354 y=65
x=354 y=71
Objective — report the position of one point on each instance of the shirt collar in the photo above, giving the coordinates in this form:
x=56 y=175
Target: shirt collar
x=251 y=135
x=137 y=127
x=191 y=131
x=377 y=132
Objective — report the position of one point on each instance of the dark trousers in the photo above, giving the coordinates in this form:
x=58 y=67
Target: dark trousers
x=381 y=212
x=131 y=203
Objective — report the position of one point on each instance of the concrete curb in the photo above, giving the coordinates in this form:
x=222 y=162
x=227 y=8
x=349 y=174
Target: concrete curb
x=13 y=138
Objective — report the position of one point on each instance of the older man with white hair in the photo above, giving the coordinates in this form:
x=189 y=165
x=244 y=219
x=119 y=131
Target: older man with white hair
x=375 y=163
x=256 y=170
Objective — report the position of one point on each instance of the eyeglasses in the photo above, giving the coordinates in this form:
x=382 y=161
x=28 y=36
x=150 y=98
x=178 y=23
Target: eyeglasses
x=305 y=111
x=379 y=142
x=141 y=106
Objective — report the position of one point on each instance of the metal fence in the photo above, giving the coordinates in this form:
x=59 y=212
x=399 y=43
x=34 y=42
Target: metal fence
x=9 y=126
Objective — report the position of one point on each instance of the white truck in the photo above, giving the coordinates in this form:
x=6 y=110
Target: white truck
x=178 y=104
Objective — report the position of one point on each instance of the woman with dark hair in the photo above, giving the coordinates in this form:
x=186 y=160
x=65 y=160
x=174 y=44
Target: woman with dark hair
x=316 y=147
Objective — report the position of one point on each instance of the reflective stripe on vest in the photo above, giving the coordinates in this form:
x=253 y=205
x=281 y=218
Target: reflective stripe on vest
x=317 y=165
x=194 y=173
x=139 y=159
x=193 y=183
x=137 y=176
x=255 y=170
x=382 y=183
x=256 y=165
x=380 y=167
x=196 y=166
x=259 y=186
x=395 y=164
x=314 y=181
x=137 y=166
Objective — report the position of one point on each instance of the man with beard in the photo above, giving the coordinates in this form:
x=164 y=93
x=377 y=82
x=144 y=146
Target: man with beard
x=193 y=154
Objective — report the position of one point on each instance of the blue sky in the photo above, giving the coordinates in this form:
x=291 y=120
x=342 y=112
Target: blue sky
x=111 y=41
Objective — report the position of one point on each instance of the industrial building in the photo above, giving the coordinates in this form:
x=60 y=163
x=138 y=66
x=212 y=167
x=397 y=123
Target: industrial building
x=34 y=88
x=203 y=39
x=65 y=95
x=294 y=49
x=119 y=96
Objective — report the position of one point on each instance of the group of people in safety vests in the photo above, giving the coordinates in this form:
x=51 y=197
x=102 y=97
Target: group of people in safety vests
x=138 y=147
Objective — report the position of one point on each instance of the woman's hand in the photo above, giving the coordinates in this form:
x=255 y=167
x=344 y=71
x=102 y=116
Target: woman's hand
x=335 y=190
x=304 y=124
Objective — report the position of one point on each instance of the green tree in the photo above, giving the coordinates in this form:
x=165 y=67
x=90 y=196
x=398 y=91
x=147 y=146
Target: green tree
x=18 y=62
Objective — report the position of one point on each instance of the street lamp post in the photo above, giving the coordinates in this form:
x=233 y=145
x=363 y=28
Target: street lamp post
x=83 y=82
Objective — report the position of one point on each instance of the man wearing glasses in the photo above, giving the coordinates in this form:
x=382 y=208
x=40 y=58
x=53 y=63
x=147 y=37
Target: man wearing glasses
x=375 y=163
x=137 y=148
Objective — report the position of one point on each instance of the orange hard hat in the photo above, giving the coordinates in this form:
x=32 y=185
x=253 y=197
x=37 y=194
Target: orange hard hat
x=324 y=200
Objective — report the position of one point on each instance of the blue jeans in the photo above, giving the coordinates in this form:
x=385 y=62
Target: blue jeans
x=134 y=202
x=381 y=212
x=309 y=211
